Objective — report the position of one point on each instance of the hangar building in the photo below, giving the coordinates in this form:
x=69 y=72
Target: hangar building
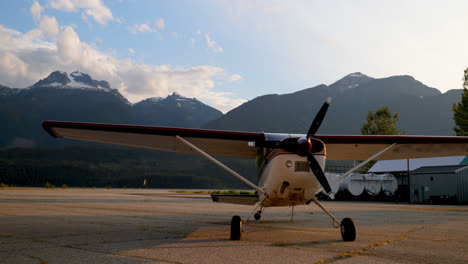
x=432 y=180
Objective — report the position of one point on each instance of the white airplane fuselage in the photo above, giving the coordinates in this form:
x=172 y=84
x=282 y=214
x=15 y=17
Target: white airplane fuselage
x=287 y=179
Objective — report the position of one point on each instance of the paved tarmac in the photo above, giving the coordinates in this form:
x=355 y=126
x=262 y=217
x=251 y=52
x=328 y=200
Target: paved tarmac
x=157 y=226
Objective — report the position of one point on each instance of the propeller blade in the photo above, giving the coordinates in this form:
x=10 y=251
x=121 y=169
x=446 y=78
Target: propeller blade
x=318 y=172
x=318 y=119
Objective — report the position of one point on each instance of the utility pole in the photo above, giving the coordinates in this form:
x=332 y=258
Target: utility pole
x=409 y=181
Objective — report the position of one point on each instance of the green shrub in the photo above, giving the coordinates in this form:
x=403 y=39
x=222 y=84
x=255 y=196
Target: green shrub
x=64 y=186
x=49 y=185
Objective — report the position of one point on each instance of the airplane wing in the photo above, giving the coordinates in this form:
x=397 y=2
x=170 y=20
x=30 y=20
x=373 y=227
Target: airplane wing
x=356 y=147
x=236 y=144
x=215 y=142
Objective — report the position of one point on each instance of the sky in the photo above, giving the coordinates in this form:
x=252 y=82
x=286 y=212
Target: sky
x=225 y=53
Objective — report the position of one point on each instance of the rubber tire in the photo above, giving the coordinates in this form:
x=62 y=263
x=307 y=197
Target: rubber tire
x=348 y=230
x=236 y=227
x=257 y=216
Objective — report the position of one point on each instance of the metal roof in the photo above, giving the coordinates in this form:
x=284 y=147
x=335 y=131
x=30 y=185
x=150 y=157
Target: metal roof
x=439 y=169
x=414 y=164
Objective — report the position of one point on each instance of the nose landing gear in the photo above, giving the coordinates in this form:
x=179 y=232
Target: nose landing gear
x=258 y=215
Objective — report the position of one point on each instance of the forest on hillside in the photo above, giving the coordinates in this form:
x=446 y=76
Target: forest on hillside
x=96 y=165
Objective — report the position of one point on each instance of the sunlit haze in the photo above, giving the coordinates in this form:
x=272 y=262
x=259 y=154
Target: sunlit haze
x=227 y=52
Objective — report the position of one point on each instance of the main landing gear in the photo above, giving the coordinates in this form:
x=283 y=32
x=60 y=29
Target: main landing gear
x=348 y=231
x=347 y=227
x=236 y=227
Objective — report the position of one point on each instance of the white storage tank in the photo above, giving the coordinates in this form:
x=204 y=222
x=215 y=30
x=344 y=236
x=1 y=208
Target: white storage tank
x=355 y=184
x=389 y=184
x=372 y=184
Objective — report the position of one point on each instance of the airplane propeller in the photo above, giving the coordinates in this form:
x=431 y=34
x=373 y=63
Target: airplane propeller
x=313 y=164
x=304 y=147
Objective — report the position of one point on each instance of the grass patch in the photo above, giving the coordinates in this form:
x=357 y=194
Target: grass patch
x=4 y=186
x=442 y=239
x=280 y=244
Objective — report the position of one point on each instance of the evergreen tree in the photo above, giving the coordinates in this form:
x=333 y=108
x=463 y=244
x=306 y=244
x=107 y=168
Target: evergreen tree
x=460 y=110
x=381 y=122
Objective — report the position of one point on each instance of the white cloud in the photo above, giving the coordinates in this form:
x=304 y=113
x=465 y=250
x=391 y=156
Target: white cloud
x=49 y=26
x=13 y=65
x=148 y=27
x=36 y=10
x=234 y=78
x=141 y=28
x=132 y=51
x=26 y=58
x=160 y=24
x=69 y=45
x=215 y=47
x=92 y=8
x=64 y=5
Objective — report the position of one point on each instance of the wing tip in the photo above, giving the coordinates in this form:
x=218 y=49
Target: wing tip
x=47 y=126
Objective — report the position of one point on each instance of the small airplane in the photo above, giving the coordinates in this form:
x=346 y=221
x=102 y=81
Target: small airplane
x=291 y=166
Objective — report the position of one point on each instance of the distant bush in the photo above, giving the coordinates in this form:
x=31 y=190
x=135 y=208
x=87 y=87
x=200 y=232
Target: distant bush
x=2 y=185
x=64 y=186
x=108 y=187
x=49 y=185
x=125 y=187
x=233 y=192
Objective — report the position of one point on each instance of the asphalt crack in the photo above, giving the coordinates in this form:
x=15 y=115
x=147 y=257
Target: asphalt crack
x=358 y=252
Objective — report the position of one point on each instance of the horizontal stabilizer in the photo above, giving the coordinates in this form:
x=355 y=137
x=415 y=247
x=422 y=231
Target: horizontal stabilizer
x=245 y=199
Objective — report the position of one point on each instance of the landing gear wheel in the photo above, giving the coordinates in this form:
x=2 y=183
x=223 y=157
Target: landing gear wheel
x=258 y=215
x=348 y=231
x=236 y=227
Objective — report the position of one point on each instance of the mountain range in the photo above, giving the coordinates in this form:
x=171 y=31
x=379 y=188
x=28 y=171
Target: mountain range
x=422 y=110
x=78 y=97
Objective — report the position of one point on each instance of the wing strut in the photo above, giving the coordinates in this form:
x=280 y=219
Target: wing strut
x=360 y=165
x=215 y=161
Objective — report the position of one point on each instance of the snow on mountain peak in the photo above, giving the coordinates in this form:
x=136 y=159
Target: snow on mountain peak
x=76 y=74
x=352 y=80
x=75 y=79
x=356 y=75
x=155 y=99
